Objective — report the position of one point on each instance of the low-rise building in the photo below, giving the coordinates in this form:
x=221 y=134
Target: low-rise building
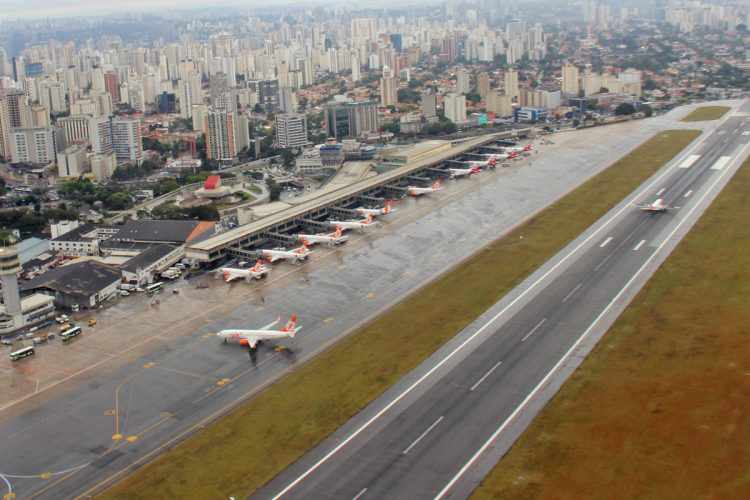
x=143 y=268
x=35 y=309
x=83 y=284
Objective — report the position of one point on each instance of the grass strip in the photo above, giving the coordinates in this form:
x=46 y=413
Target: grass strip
x=659 y=409
x=706 y=113
x=263 y=436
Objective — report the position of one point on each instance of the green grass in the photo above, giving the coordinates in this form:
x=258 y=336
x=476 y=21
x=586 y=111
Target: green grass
x=260 y=438
x=706 y=113
x=660 y=408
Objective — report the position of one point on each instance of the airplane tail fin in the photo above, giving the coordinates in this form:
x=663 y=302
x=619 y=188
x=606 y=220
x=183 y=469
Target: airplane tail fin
x=227 y=276
x=492 y=162
x=527 y=148
x=369 y=219
x=291 y=326
x=437 y=184
x=338 y=232
x=258 y=266
x=387 y=207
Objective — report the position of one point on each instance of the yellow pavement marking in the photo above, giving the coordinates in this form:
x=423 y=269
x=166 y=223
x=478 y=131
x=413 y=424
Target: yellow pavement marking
x=150 y=364
x=131 y=439
x=223 y=381
x=45 y=475
x=9 y=496
x=328 y=319
x=116 y=437
x=370 y=295
x=109 y=412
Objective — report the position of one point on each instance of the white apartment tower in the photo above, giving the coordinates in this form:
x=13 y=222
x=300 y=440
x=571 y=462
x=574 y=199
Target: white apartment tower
x=291 y=130
x=126 y=141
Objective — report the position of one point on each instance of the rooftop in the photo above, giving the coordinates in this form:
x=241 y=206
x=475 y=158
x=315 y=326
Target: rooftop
x=81 y=278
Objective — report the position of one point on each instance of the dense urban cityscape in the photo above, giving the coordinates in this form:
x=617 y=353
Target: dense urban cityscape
x=157 y=148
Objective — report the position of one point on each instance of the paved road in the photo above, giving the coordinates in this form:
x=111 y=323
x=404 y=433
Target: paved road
x=100 y=421
x=428 y=437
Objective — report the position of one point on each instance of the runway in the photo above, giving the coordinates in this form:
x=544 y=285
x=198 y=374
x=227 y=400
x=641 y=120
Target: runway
x=88 y=427
x=447 y=423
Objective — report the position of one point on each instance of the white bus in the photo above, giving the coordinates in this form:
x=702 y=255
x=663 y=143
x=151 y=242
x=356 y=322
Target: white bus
x=22 y=353
x=70 y=333
x=154 y=288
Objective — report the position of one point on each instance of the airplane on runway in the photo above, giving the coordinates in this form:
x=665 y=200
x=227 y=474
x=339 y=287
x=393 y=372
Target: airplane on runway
x=387 y=209
x=656 y=207
x=367 y=223
x=330 y=239
x=296 y=255
x=463 y=172
x=257 y=272
x=419 y=191
x=251 y=338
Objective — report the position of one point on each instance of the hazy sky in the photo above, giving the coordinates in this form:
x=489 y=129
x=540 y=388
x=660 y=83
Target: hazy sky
x=58 y=8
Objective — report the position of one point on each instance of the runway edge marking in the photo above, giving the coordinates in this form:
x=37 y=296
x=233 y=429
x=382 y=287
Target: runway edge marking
x=577 y=343
x=439 y=364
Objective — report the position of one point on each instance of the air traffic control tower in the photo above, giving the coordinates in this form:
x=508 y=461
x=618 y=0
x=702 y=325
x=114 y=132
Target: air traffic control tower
x=12 y=318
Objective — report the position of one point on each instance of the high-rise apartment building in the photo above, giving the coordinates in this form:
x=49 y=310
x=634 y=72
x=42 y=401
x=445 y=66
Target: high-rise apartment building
x=570 y=79
x=100 y=135
x=220 y=129
x=388 y=88
x=463 y=85
x=454 y=106
x=35 y=146
x=112 y=85
x=511 y=84
x=126 y=140
x=291 y=130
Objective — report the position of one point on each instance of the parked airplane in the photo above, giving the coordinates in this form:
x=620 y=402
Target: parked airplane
x=387 y=209
x=656 y=207
x=251 y=338
x=519 y=149
x=463 y=172
x=419 y=191
x=502 y=156
x=330 y=239
x=257 y=272
x=296 y=255
x=488 y=163
x=368 y=223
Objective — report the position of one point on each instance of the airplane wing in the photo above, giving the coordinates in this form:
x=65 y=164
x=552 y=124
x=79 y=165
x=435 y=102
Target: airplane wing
x=270 y=325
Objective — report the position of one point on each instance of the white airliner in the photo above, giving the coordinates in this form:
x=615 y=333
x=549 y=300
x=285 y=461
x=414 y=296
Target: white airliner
x=656 y=207
x=368 y=223
x=387 y=209
x=330 y=239
x=463 y=172
x=419 y=191
x=502 y=156
x=488 y=163
x=296 y=255
x=518 y=149
x=257 y=272
x=251 y=338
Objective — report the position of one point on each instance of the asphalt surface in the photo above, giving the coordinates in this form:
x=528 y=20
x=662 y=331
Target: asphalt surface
x=68 y=438
x=427 y=437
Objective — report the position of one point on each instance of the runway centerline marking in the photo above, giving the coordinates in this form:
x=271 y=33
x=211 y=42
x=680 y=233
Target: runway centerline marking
x=359 y=495
x=570 y=293
x=580 y=339
x=422 y=436
x=595 y=234
x=659 y=192
x=639 y=245
x=487 y=374
x=533 y=330
x=687 y=195
x=605 y=242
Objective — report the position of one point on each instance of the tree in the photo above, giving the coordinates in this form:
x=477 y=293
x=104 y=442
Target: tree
x=408 y=95
x=392 y=127
x=118 y=201
x=625 y=109
x=473 y=97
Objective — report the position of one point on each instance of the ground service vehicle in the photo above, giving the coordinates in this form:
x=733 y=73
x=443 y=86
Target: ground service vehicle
x=154 y=288
x=71 y=333
x=22 y=353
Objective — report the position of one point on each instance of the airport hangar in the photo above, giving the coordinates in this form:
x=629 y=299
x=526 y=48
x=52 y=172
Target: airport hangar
x=240 y=241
